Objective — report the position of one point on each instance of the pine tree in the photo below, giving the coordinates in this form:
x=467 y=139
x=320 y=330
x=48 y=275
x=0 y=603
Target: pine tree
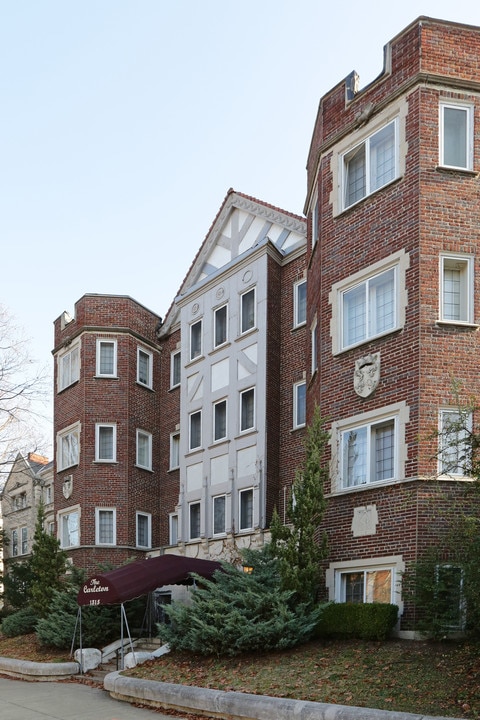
x=48 y=564
x=238 y=612
x=300 y=546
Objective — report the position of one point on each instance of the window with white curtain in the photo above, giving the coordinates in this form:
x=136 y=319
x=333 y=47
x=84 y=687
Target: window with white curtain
x=370 y=165
x=68 y=447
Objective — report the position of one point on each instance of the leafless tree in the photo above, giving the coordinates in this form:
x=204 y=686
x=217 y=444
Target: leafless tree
x=24 y=392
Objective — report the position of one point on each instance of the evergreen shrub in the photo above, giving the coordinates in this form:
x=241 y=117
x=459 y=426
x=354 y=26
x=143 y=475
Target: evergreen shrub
x=21 y=622
x=366 y=621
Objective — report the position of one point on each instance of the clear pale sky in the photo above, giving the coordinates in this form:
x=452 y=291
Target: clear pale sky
x=123 y=123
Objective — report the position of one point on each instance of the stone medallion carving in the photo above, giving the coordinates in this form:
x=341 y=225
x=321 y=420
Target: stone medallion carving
x=367 y=374
x=247 y=276
x=220 y=293
x=195 y=308
x=67 y=487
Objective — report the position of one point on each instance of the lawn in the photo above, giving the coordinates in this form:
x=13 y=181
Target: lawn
x=418 y=677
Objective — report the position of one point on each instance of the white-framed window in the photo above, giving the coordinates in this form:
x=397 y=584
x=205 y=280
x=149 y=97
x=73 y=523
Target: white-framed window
x=368 y=453
x=174 y=450
x=220 y=334
x=194 y=520
x=376 y=579
x=68 y=524
x=456 y=289
x=369 y=447
x=195 y=430
x=106 y=358
x=24 y=540
x=456 y=136
x=455 y=427
x=68 y=447
x=246 y=509
x=370 y=165
x=369 y=308
x=175 y=368
x=144 y=367
x=450 y=603
x=219 y=514
x=300 y=303
x=105 y=526
x=314 y=347
x=144 y=530
x=105 y=442
x=247 y=311
x=173 y=529
x=247 y=409
x=299 y=404
x=220 y=420
x=195 y=340
x=315 y=218
x=366 y=585
x=68 y=367
x=370 y=303
x=144 y=449
x=14 y=542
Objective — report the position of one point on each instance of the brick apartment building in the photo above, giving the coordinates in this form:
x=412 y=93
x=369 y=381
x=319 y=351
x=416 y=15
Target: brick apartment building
x=393 y=282
x=172 y=436
x=181 y=436
x=107 y=428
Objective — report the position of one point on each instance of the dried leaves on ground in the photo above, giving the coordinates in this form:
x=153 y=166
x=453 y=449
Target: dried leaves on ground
x=417 y=677
x=406 y=676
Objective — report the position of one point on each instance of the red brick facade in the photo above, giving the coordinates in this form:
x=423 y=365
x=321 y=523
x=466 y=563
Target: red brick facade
x=426 y=210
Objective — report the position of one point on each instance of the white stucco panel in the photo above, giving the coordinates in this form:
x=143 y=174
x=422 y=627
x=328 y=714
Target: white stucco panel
x=219 y=256
x=220 y=374
x=194 y=477
x=219 y=469
x=246 y=461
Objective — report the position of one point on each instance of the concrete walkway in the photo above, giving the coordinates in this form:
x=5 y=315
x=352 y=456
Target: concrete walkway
x=23 y=700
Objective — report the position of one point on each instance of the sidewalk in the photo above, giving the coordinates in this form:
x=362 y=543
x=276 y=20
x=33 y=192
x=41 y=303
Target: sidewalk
x=22 y=700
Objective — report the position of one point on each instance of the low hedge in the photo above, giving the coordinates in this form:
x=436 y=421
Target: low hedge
x=367 y=621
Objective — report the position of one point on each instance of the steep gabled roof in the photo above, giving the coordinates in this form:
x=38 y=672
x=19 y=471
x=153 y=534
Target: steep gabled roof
x=240 y=225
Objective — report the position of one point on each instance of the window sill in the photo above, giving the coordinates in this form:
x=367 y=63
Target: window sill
x=145 y=387
x=194 y=451
x=106 y=377
x=457 y=323
x=246 y=334
x=141 y=467
x=367 y=340
x=300 y=326
x=105 y=462
x=298 y=427
x=218 y=443
x=246 y=433
x=447 y=169
x=220 y=347
x=194 y=360
x=337 y=492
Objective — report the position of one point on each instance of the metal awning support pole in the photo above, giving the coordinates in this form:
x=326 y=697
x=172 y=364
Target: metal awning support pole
x=124 y=619
x=78 y=623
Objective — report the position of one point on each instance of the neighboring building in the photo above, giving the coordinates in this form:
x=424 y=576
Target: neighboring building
x=29 y=481
x=234 y=352
x=106 y=423
x=394 y=215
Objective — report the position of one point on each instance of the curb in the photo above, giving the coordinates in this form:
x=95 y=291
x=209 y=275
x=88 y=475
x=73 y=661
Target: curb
x=238 y=706
x=28 y=670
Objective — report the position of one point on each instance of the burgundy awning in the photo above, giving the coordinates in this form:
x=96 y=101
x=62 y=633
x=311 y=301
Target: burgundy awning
x=141 y=577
